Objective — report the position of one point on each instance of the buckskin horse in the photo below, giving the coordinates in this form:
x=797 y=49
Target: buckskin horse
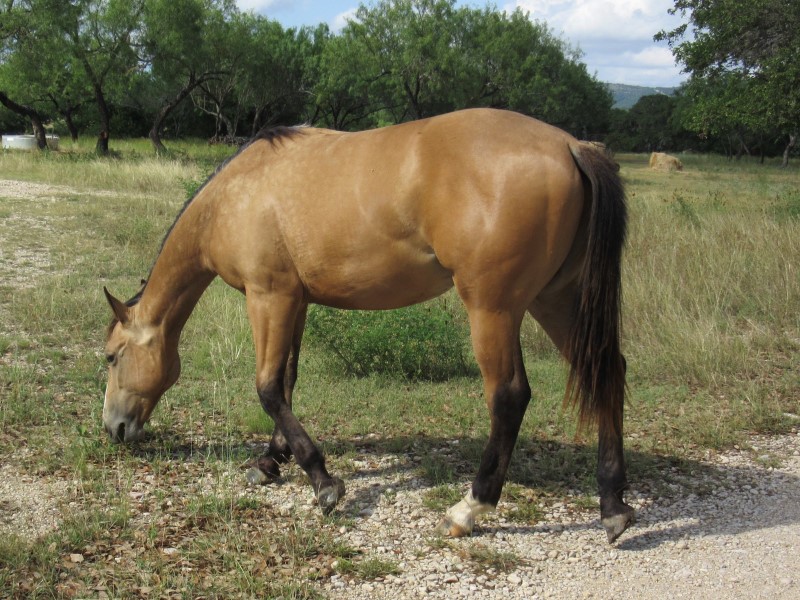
x=519 y=216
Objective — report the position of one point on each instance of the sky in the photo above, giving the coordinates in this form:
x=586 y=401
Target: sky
x=616 y=36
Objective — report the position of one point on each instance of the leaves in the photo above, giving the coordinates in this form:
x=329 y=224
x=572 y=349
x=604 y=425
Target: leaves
x=743 y=60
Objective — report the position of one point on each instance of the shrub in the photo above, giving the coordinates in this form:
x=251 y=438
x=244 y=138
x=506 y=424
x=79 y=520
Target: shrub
x=422 y=342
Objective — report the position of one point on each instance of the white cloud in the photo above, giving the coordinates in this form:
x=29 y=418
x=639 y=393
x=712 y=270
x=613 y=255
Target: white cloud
x=616 y=36
x=653 y=56
x=261 y=6
x=584 y=20
x=340 y=20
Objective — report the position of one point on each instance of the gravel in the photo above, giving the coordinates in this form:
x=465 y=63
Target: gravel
x=729 y=529
x=29 y=506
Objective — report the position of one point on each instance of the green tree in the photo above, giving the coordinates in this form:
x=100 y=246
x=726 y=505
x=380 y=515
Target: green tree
x=275 y=86
x=228 y=39
x=175 y=53
x=744 y=63
x=413 y=44
x=34 y=73
x=98 y=34
x=347 y=71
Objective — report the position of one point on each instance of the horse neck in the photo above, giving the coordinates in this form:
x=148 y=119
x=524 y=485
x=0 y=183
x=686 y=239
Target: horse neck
x=179 y=277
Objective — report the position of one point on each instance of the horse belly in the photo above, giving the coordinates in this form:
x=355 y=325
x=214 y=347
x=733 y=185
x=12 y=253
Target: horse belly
x=382 y=280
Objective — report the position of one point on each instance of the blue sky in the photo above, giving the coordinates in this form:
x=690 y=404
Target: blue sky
x=616 y=36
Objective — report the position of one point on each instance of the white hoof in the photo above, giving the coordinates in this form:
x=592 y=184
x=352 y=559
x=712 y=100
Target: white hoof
x=460 y=518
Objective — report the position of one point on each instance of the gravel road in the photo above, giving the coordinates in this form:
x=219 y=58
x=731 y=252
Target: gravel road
x=729 y=529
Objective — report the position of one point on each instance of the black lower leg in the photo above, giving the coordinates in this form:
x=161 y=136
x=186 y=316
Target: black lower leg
x=612 y=482
x=508 y=408
x=306 y=453
x=279 y=449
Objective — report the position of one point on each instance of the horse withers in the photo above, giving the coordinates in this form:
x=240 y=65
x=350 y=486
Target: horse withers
x=519 y=216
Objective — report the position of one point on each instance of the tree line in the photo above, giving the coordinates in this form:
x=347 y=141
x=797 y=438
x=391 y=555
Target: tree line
x=171 y=68
x=178 y=67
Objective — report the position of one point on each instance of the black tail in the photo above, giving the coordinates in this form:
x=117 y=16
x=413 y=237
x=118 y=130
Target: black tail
x=597 y=369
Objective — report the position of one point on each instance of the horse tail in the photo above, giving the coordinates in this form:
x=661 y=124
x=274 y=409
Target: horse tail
x=596 y=380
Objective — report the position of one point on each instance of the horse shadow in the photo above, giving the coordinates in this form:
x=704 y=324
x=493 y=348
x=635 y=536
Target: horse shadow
x=677 y=497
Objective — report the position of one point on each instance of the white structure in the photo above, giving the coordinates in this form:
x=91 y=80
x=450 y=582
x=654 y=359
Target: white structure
x=27 y=142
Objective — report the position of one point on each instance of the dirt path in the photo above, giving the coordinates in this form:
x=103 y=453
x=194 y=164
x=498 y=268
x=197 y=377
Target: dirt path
x=731 y=529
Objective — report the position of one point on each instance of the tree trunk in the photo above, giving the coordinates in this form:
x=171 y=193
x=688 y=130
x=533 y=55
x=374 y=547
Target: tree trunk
x=789 y=146
x=38 y=131
x=155 y=130
x=27 y=111
x=105 y=119
x=73 y=130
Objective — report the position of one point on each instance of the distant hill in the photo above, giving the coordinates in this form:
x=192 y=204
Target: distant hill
x=625 y=96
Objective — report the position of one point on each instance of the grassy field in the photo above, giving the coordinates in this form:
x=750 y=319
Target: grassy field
x=711 y=333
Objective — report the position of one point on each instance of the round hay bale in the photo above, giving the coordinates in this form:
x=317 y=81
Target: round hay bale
x=664 y=162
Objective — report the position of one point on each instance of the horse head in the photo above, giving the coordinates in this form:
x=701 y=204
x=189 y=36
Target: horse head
x=141 y=367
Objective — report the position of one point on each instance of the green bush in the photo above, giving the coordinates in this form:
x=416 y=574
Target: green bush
x=423 y=342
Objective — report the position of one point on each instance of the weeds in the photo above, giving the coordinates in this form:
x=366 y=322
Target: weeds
x=370 y=568
x=488 y=559
x=424 y=342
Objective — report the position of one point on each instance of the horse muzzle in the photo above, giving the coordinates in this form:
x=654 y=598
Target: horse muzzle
x=123 y=430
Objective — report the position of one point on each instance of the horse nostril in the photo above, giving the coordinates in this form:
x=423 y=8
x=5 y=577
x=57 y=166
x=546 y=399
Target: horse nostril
x=121 y=432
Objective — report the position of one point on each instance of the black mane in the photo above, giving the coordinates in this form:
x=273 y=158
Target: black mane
x=273 y=135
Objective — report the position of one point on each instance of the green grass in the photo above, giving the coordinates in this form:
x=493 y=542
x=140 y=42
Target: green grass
x=711 y=332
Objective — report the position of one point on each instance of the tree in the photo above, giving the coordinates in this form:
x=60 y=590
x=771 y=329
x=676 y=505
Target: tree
x=347 y=72
x=176 y=53
x=742 y=56
x=21 y=82
x=91 y=40
x=274 y=86
x=413 y=46
x=228 y=39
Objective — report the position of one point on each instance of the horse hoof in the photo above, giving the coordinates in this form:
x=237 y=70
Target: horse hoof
x=269 y=467
x=329 y=495
x=447 y=527
x=617 y=524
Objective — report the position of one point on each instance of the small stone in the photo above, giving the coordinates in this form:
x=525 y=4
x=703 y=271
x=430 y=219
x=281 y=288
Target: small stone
x=76 y=558
x=514 y=579
x=255 y=477
x=682 y=545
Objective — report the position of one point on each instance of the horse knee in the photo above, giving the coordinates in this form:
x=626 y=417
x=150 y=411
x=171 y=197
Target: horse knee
x=271 y=397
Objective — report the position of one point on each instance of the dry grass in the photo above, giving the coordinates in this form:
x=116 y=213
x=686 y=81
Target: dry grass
x=712 y=334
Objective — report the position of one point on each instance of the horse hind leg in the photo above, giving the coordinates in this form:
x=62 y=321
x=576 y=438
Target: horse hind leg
x=555 y=313
x=495 y=339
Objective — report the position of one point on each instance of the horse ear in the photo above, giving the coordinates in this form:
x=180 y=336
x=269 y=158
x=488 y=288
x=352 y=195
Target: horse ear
x=119 y=308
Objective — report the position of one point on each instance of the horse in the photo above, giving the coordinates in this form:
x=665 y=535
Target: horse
x=517 y=215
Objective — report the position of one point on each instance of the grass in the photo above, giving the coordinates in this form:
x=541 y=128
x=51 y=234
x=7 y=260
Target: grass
x=711 y=332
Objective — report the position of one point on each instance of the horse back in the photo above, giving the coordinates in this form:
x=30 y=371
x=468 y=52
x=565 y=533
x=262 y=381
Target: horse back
x=389 y=217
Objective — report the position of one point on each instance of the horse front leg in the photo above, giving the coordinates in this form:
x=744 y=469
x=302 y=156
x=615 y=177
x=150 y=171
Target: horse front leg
x=279 y=451
x=273 y=319
x=495 y=339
